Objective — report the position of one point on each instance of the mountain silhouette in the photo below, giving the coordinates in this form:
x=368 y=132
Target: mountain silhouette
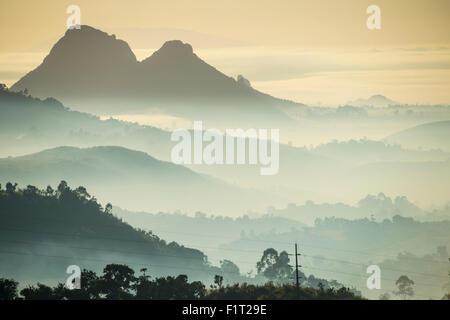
x=86 y=61
x=377 y=100
x=89 y=70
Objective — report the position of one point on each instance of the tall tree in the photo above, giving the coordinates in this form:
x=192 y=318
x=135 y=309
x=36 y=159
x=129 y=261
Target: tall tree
x=275 y=266
x=405 y=287
x=118 y=281
x=8 y=289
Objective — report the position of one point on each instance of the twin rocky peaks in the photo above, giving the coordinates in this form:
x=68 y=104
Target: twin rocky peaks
x=98 y=44
x=90 y=70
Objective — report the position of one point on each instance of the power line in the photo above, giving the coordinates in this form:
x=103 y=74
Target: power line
x=267 y=241
x=160 y=266
x=367 y=253
x=194 y=258
x=115 y=261
x=384 y=268
x=363 y=277
x=214 y=248
x=155 y=254
x=99 y=249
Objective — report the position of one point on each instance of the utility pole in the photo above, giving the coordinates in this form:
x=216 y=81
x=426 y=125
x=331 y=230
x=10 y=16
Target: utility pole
x=296 y=272
x=297 y=283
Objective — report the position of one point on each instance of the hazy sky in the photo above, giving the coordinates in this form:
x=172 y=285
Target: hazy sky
x=309 y=51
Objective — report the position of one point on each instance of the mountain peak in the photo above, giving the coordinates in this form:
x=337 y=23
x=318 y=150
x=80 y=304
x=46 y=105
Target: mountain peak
x=89 y=43
x=84 y=29
x=176 y=46
x=83 y=60
x=174 y=49
x=378 y=96
x=376 y=100
x=87 y=49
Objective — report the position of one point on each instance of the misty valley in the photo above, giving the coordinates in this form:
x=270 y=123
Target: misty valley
x=257 y=198
x=229 y=148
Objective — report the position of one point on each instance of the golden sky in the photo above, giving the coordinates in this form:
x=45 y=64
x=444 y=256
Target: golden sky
x=308 y=51
x=26 y=23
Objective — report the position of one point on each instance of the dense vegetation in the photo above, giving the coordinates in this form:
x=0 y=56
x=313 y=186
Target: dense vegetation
x=69 y=225
x=119 y=282
x=77 y=213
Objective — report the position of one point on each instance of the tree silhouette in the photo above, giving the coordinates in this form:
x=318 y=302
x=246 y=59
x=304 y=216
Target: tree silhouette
x=82 y=192
x=91 y=287
x=8 y=289
x=40 y=292
x=144 y=288
x=118 y=281
x=49 y=191
x=108 y=208
x=10 y=188
x=218 y=281
x=62 y=187
x=405 y=287
x=273 y=266
x=447 y=296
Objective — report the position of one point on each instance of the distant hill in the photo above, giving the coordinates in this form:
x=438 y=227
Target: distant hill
x=92 y=71
x=432 y=135
x=377 y=100
x=30 y=125
x=130 y=179
x=366 y=151
x=377 y=207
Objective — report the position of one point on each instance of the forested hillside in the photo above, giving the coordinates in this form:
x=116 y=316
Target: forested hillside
x=44 y=231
